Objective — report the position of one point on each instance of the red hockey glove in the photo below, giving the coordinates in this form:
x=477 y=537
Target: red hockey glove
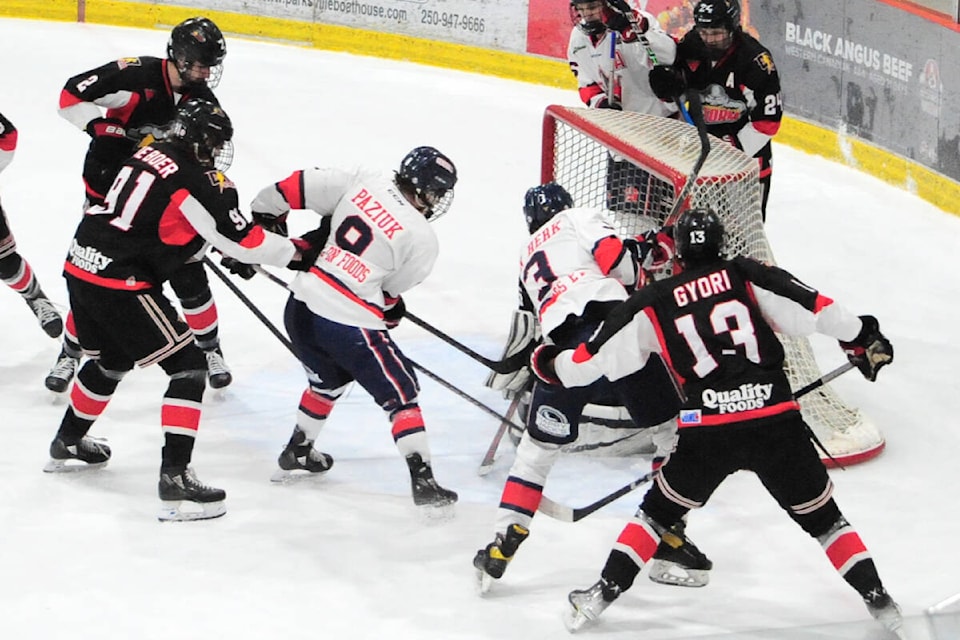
x=394 y=311
x=870 y=351
x=541 y=361
x=307 y=254
x=657 y=248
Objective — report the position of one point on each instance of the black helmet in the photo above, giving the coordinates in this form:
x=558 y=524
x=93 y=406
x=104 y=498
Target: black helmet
x=712 y=14
x=543 y=202
x=430 y=176
x=204 y=129
x=592 y=27
x=698 y=235
x=198 y=40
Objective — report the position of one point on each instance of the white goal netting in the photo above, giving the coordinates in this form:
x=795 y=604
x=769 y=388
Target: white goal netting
x=636 y=165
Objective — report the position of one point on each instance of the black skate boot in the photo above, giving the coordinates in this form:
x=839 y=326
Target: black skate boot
x=62 y=372
x=884 y=610
x=50 y=320
x=678 y=561
x=178 y=485
x=492 y=560
x=217 y=371
x=93 y=453
x=586 y=605
x=299 y=455
x=426 y=491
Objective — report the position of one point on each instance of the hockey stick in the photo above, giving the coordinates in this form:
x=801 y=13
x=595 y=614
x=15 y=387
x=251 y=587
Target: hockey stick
x=695 y=113
x=508 y=365
x=572 y=514
x=449 y=386
x=486 y=465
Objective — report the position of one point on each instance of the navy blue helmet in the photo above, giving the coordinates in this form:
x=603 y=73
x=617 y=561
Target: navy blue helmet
x=430 y=176
x=543 y=202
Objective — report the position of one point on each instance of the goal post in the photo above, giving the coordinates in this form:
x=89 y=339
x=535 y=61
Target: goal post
x=634 y=165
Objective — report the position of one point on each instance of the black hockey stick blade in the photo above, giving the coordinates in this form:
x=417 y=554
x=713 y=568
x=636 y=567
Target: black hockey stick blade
x=572 y=514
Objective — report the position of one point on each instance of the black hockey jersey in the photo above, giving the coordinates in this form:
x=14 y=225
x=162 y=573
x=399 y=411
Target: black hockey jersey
x=715 y=327
x=161 y=210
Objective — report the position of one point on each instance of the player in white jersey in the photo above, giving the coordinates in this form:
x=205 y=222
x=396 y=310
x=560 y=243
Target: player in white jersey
x=573 y=269
x=375 y=242
x=611 y=51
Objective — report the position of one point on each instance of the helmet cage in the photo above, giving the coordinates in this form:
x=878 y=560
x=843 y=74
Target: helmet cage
x=204 y=129
x=430 y=176
x=592 y=28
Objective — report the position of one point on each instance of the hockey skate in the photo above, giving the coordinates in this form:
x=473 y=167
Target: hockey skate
x=299 y=455
x=435 y=502
x=217 y=371
x=181 y=485
x=586 y=605
x=62 y=372
x=491 y=561
x=50 y=320
x=885 y=611
x=87 y=453
x=678 y=561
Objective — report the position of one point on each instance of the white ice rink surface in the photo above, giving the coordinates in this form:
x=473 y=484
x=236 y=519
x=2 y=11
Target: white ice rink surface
x=83 y=556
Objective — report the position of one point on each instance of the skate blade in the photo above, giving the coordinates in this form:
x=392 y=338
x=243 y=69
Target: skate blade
x=284 y=476
x=70 y=466
x=434 y=514
x=670 y=573
x=574 y=619
x=483 y=582
x=171 y=510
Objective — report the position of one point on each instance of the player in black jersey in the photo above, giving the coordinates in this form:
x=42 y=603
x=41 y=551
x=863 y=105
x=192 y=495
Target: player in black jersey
x=714 y=324
x=16 y=272
x=125 y=104
x=737 y=80
x=166 y=203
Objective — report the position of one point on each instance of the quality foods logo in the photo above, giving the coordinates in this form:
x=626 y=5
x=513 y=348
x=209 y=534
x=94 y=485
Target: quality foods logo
x=743 y=398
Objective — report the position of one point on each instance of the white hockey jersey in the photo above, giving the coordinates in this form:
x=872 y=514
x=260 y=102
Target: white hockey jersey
x=379 y=245
x=591 y=63
x=574 y=259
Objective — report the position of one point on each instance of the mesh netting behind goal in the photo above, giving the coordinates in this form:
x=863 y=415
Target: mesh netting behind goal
x=635 y=165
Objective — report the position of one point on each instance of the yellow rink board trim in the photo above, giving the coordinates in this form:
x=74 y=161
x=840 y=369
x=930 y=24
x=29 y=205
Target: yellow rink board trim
x=805 y=136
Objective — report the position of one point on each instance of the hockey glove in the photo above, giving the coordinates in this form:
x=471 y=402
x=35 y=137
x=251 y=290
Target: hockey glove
x=308 y=250
x=394 y=311
x=870 y=351
x=237 y=268
x=620 y=17
x=110 y=139
x=541 y=361
x=272 y=223
x=606 y=104
x=657 y=248
x=667 y=82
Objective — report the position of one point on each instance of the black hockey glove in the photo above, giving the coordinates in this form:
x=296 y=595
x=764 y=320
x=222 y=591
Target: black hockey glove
x=870 y=351
x=394 y=311
x=606 y=104
x=272 y=223
x=110 y=140
x=237 y=268
x=541 y=361
x=667 y=82
x=622 y=18
x=309 y=246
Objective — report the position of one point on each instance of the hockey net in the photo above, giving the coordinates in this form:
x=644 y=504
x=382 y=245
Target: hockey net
x=635 y=165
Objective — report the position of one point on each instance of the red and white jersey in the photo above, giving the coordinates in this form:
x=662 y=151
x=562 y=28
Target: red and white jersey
x=574 y=259
x=591 y=63
x=8 y=142
x=379 y=244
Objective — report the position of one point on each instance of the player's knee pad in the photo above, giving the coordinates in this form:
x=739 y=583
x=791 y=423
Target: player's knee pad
x=187 y=360
x=534 y=459
x=191 y=285
x=821 y=521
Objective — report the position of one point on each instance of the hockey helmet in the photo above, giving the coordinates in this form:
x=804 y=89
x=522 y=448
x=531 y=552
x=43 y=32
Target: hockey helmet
x=430 y=177
x=200 y=41
x=591 y=23
x=698 y=235
x=543 y=202
x=205 y=130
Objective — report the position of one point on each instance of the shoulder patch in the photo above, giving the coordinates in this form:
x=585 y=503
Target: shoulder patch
x=765 y=62
x=220 y=180
x=123 y=63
